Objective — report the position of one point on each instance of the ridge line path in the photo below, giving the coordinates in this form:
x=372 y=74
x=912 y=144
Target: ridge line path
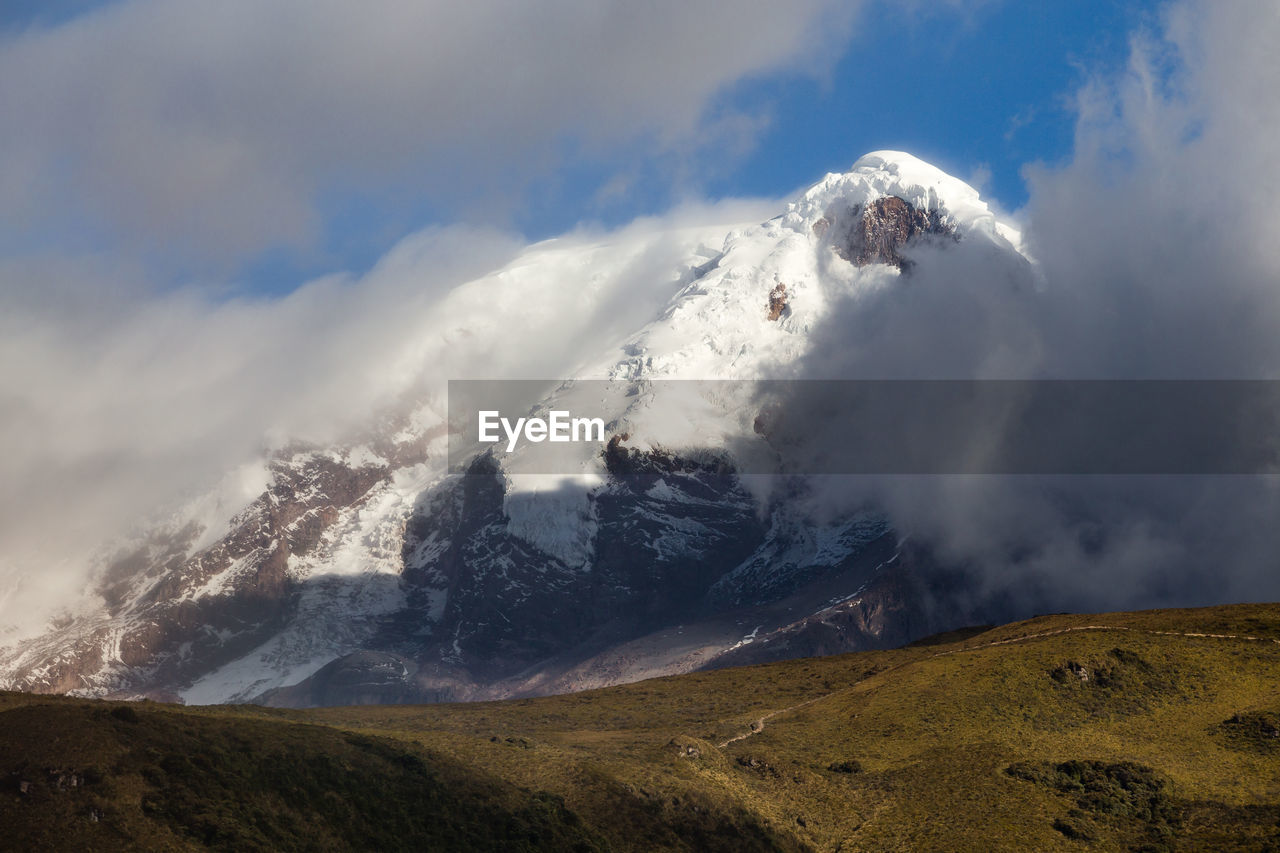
x=758 y=725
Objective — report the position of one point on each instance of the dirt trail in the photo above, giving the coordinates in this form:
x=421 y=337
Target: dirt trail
x=758 y=725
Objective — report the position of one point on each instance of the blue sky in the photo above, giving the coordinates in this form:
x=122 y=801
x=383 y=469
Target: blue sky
x=990 y=90
x=981 y=92
x=980 y=89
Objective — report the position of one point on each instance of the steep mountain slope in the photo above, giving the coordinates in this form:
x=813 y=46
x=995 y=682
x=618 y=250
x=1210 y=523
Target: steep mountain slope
x=367 y=572
x=1156 y=731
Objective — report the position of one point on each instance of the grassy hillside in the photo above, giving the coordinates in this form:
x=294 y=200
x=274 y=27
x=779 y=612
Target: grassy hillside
x=1145 y=731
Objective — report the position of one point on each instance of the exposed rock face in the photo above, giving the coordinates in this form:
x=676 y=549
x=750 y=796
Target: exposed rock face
x=172 y=614
x=778 y=302
x=684 y=573
x=667 y=529
x=877 y=233
x=905 y=598
x=506 y=603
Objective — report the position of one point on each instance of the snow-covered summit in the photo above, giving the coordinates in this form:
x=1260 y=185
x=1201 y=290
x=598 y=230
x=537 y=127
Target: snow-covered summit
x=882 y=174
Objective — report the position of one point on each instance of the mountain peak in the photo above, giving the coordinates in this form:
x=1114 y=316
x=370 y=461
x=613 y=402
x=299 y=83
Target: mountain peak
x=910 y=172
x=897 y=174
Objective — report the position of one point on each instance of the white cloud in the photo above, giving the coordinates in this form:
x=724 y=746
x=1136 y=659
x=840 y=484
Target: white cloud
x=117 y=403
x=215 y=130
x=116 y=408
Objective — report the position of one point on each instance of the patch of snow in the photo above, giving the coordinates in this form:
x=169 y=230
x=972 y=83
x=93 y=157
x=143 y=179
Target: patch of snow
x=747 y=640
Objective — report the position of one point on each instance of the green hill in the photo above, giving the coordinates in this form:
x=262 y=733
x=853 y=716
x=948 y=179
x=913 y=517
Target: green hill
x=1153 y=731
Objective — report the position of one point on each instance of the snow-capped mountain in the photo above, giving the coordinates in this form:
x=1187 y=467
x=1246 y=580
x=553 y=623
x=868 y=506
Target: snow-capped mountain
x=367 y=572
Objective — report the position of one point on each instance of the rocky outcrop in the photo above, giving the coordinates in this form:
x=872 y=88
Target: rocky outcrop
x=878 y=232
x=778 y=302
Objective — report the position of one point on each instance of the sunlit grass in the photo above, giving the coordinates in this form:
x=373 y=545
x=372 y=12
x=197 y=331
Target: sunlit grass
x=899 y=750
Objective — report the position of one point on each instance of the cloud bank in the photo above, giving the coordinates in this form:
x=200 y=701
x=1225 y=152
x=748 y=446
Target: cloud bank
x=114 y=410
x=1157 y=259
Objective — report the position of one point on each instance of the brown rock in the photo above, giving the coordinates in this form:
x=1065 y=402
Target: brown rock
x=778 y=301
x=878 y=232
